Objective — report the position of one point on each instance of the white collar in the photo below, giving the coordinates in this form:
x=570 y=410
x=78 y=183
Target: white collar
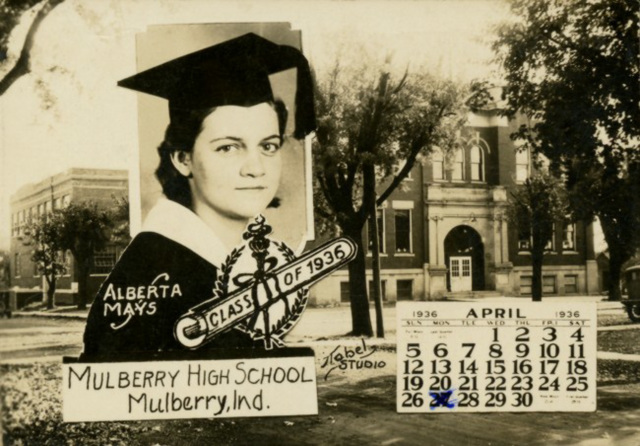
x=176 y=222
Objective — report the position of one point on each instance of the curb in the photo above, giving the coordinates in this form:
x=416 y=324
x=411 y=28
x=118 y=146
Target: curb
x=619 y=327
x=613 y=356
x=383 y=344
x=49 y=315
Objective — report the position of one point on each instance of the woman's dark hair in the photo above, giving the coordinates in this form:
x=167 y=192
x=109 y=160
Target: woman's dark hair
x=180 y=136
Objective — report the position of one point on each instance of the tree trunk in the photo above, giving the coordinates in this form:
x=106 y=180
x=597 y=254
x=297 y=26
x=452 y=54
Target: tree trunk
x=615 y=272
x=377 y=295
x=536 y=279
x=360 y=318
x=83 y=279
x=51 y=292
x=375 y=252
x=617 y=256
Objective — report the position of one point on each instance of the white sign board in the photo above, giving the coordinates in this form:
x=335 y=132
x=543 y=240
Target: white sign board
x=158 y=390
x=496 y=357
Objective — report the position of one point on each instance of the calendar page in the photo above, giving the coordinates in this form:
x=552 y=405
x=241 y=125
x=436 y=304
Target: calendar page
x=496 y=357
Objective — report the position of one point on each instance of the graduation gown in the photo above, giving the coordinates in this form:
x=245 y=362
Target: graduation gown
x=171 y=266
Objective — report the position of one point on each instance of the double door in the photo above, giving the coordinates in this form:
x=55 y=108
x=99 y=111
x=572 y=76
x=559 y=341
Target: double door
x=460 y=273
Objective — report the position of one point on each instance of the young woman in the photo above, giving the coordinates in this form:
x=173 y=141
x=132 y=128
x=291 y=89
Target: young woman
x=220 y=166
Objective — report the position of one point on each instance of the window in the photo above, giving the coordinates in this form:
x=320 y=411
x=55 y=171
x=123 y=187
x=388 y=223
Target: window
x=405 y=289
x=403 y=230
x=551 y=243
x=19 y=225
x=522 y=165
x=66 y=257
x=549 y=284
x=344 y=292
x=458 y=165
x=571 y=284
x=437 y=164
x=524 y=244
x=380 y=218
x=466 y=267
x=569 y=237
x=383 y=290
x=526 y=284
x=477 y=164
x=455 y=269
x=525 y=241
x=17 y=265
x=65 y=201
x=104 y=260
x=36 y=270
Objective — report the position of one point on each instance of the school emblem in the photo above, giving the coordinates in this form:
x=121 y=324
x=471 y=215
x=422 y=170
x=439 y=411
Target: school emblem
x=262 y=289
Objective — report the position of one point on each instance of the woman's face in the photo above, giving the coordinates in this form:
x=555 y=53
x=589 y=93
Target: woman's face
x=236 y=162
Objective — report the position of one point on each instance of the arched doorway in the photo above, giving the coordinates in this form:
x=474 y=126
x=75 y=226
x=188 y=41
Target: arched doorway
x=464 y=256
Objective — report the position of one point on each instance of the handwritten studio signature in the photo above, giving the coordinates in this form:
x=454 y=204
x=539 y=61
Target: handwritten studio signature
x=345 y=357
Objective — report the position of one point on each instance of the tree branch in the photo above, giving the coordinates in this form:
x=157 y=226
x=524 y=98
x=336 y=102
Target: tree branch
x=326 y=189
x=411 y=159
x=351 y=177
x=22 y=65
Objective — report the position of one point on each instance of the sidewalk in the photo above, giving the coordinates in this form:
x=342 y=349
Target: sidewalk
x=320 y=324
x=62 y=312
x=603 y=304
x=340 y=316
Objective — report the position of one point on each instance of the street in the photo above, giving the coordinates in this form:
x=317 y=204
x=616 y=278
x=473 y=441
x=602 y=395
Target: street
x=48 y=339
x=26 y=339
x=355 y=406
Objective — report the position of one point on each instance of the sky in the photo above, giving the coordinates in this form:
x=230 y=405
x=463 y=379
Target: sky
x=68 y=112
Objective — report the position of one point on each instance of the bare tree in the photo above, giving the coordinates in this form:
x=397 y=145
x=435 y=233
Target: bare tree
x=372 y=126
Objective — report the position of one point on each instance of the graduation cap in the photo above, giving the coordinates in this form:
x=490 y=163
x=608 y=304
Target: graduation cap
x=235 y=72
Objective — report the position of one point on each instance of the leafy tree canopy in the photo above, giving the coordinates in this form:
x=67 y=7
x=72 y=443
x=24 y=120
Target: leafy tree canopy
x=572 y=67
x=48 y=251
x=10 y=13
x=47 y=247
x=84 y=230
x=533 y=209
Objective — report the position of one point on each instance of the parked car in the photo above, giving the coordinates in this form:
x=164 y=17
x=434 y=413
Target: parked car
x=632 y=301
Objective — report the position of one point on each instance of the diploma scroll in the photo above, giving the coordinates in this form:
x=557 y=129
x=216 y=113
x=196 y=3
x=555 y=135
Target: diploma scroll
x=209 y=319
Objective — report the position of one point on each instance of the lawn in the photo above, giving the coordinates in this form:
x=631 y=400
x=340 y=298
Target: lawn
x=32 y=404
x=620 y=341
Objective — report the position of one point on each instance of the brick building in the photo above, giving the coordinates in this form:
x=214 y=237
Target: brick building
x=100 y=186
x=446 y=229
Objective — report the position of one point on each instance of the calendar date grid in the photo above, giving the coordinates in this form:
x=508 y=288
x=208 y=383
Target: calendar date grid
x=518 y=365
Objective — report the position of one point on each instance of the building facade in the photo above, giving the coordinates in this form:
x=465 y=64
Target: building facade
x=99 y=186
x=446 y=230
